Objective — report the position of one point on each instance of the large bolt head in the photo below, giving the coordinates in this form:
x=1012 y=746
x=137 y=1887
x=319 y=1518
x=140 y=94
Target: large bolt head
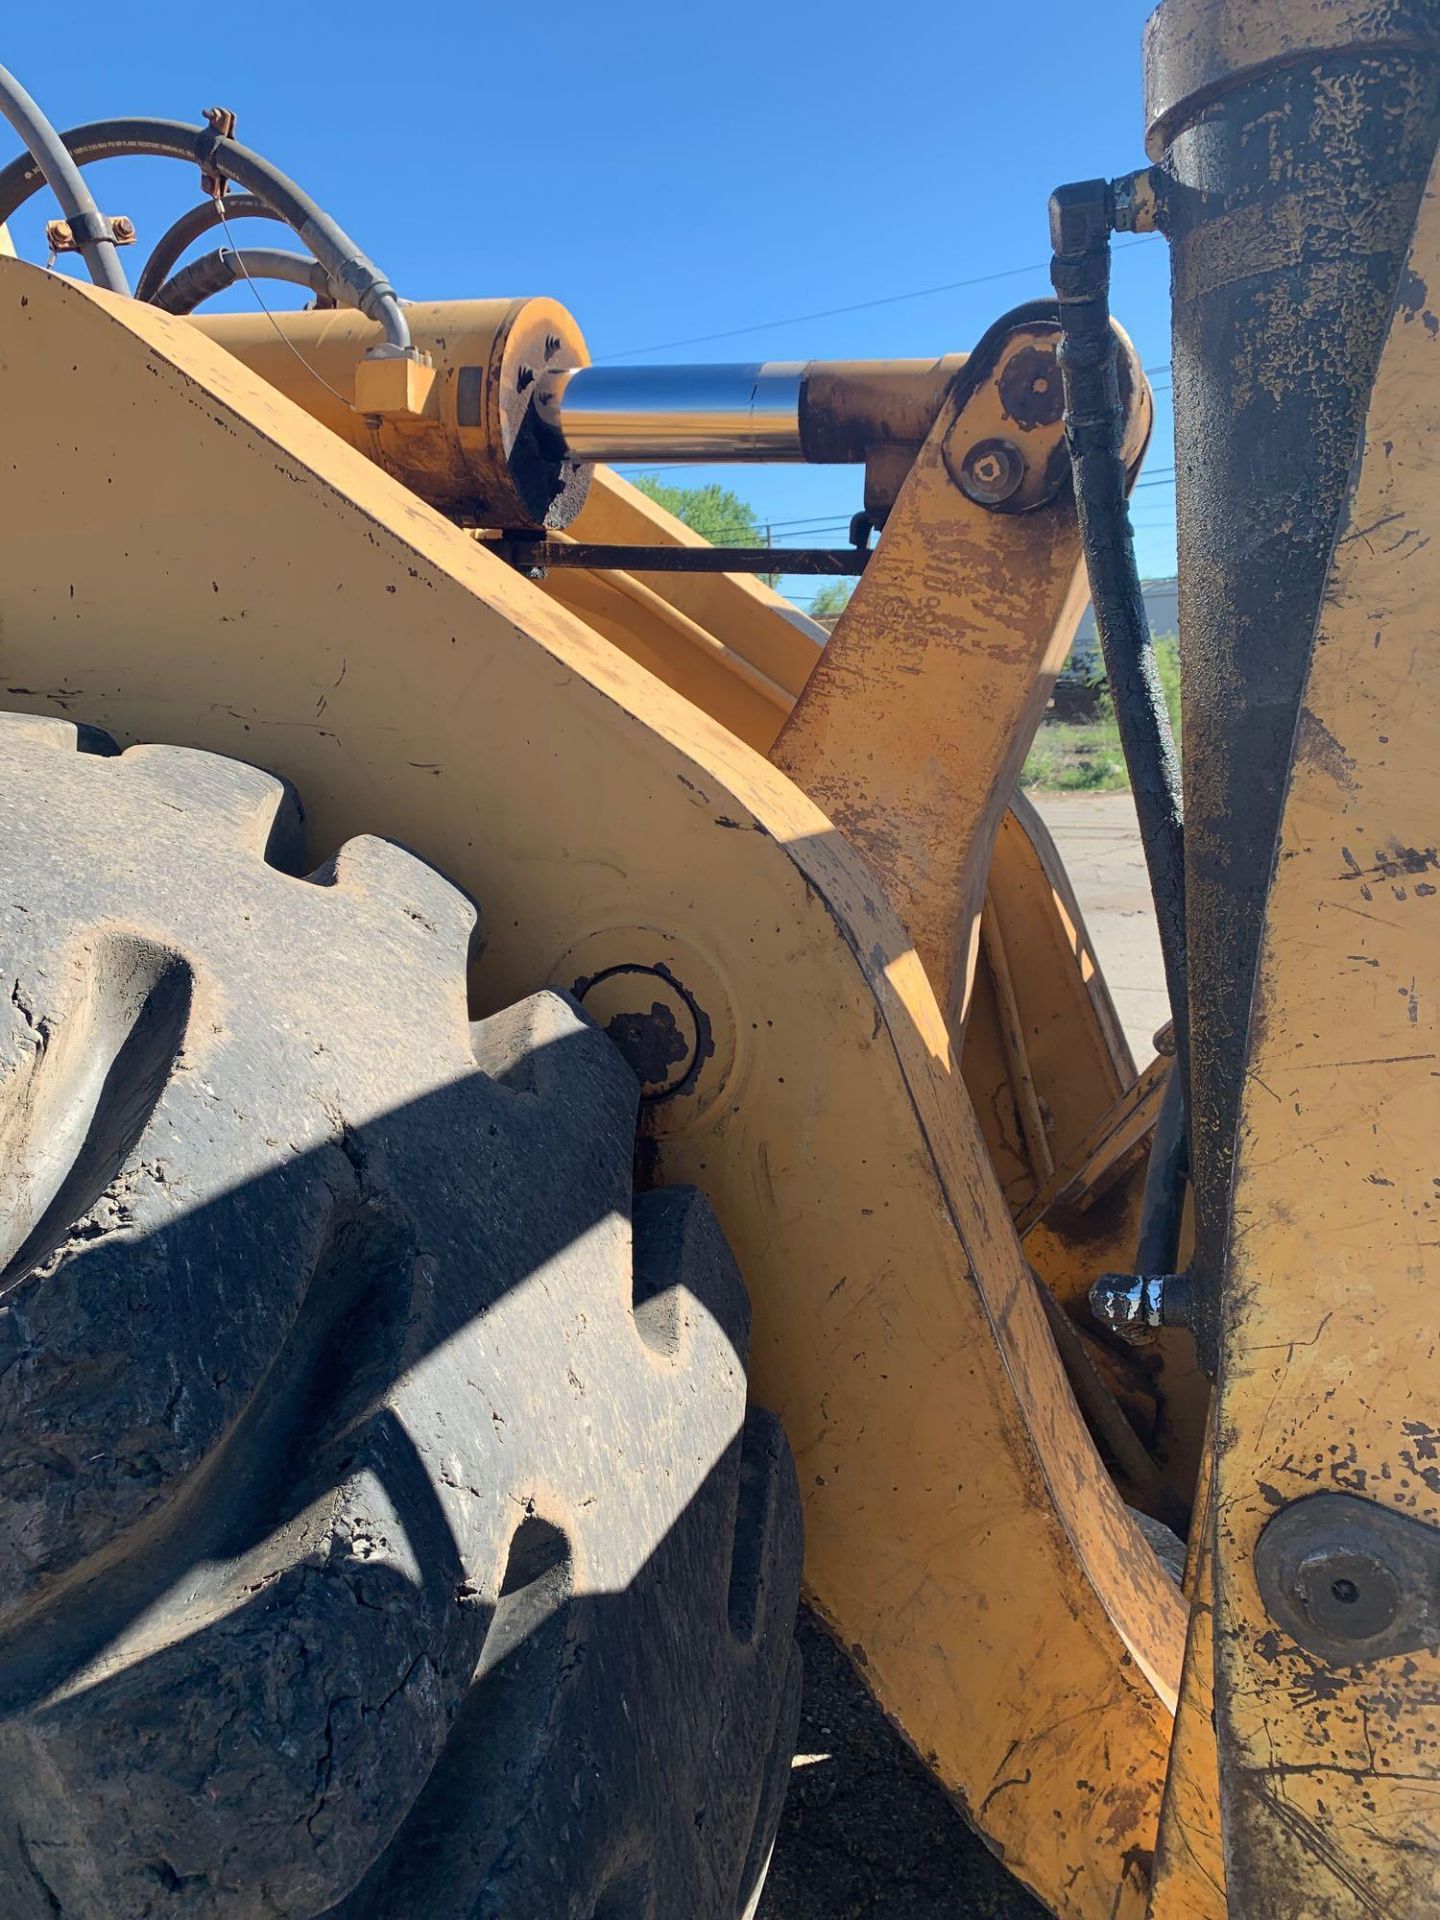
x=1350 y=1580
x=991 y=471
x=1347 y=1592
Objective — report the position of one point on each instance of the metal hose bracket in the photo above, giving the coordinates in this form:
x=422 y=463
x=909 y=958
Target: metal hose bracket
x=222 y=158
x=49 y=157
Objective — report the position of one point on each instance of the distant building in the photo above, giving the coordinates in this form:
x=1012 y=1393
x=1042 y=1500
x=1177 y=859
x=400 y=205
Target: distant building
x=1082 y=678
x=1161 y=604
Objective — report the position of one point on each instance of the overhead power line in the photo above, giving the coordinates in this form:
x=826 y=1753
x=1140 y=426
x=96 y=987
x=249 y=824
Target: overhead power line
x=856 y=306
x=800 y=520
x=803 y=530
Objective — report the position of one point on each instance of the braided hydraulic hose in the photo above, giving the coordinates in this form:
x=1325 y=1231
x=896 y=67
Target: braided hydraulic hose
x=216 y=154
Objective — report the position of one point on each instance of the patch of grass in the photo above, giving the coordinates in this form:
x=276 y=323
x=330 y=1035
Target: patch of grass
x=1072 y=756
x=1075 y=757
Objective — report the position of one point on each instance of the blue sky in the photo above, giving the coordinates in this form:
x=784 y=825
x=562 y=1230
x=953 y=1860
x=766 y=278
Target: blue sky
x=666 y=170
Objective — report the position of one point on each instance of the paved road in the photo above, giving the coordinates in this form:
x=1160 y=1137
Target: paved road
x=1100 y=843
x=867 y=1830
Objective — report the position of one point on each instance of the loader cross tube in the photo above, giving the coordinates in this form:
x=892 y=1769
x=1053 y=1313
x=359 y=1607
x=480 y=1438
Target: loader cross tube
x=526 y=554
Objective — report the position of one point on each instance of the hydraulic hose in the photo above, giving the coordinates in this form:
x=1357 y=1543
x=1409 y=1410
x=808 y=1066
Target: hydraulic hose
x=50 y=160
x=1162 y=1206
x=213 y=272
x=214 y=153
x=188 y=229
x=1080 y=219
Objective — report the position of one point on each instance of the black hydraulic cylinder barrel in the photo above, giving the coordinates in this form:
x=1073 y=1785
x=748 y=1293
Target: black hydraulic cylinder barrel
x=1295 y=140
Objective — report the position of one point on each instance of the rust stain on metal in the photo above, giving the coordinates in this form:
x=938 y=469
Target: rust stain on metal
x=913 y=727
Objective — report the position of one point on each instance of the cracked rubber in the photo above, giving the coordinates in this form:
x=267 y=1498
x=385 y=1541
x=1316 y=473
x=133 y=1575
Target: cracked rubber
x=383 y=1529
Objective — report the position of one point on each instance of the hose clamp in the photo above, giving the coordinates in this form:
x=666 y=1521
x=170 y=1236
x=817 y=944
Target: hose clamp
x=86 y=229
x=221 y=124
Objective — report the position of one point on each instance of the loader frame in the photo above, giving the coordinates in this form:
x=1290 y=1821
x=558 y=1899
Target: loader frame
x=872 y=1027
x=282 y=600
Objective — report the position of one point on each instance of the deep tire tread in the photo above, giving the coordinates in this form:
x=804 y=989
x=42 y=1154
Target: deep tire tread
x=368 y=1482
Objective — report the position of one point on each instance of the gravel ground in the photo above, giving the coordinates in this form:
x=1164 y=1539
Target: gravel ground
x=867 y=1830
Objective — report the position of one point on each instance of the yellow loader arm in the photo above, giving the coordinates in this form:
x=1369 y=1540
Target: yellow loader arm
x=1019 y=1310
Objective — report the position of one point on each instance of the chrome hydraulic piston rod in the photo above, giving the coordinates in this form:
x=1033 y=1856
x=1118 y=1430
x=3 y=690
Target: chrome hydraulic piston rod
x=825 y=412
x=515 y=419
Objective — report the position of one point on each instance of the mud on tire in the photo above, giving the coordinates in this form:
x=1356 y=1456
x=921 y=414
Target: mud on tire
x=383 y=1531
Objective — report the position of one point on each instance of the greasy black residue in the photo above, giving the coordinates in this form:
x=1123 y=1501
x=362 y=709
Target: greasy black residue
x=1275 y=351
x=704 y=1031
x=651 y=1042
x=1030 y=388
x=1415 y=299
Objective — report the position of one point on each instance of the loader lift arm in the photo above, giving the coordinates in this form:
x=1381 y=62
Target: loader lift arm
x=397 y=570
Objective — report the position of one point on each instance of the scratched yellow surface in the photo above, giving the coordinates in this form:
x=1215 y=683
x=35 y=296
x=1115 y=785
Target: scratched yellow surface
x=1331 y=1382
x=251 y=585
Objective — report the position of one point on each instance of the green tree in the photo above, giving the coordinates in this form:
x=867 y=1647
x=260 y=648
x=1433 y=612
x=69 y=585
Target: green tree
x=832 y=598
x=714 y=512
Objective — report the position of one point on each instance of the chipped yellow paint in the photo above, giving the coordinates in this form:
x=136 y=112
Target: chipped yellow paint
x=1189 y=1881
x=744 y=655
x=912 y=731
x=1331 y=1777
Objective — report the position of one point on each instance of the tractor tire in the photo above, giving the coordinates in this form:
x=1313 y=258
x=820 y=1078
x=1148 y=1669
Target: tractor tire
x=383 y=1530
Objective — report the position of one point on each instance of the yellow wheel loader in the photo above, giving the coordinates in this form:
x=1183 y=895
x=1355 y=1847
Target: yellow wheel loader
x=455 y=923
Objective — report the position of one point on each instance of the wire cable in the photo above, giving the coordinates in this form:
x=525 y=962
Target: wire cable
x=858 y=306
x=280 y=333
x=189 y=228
